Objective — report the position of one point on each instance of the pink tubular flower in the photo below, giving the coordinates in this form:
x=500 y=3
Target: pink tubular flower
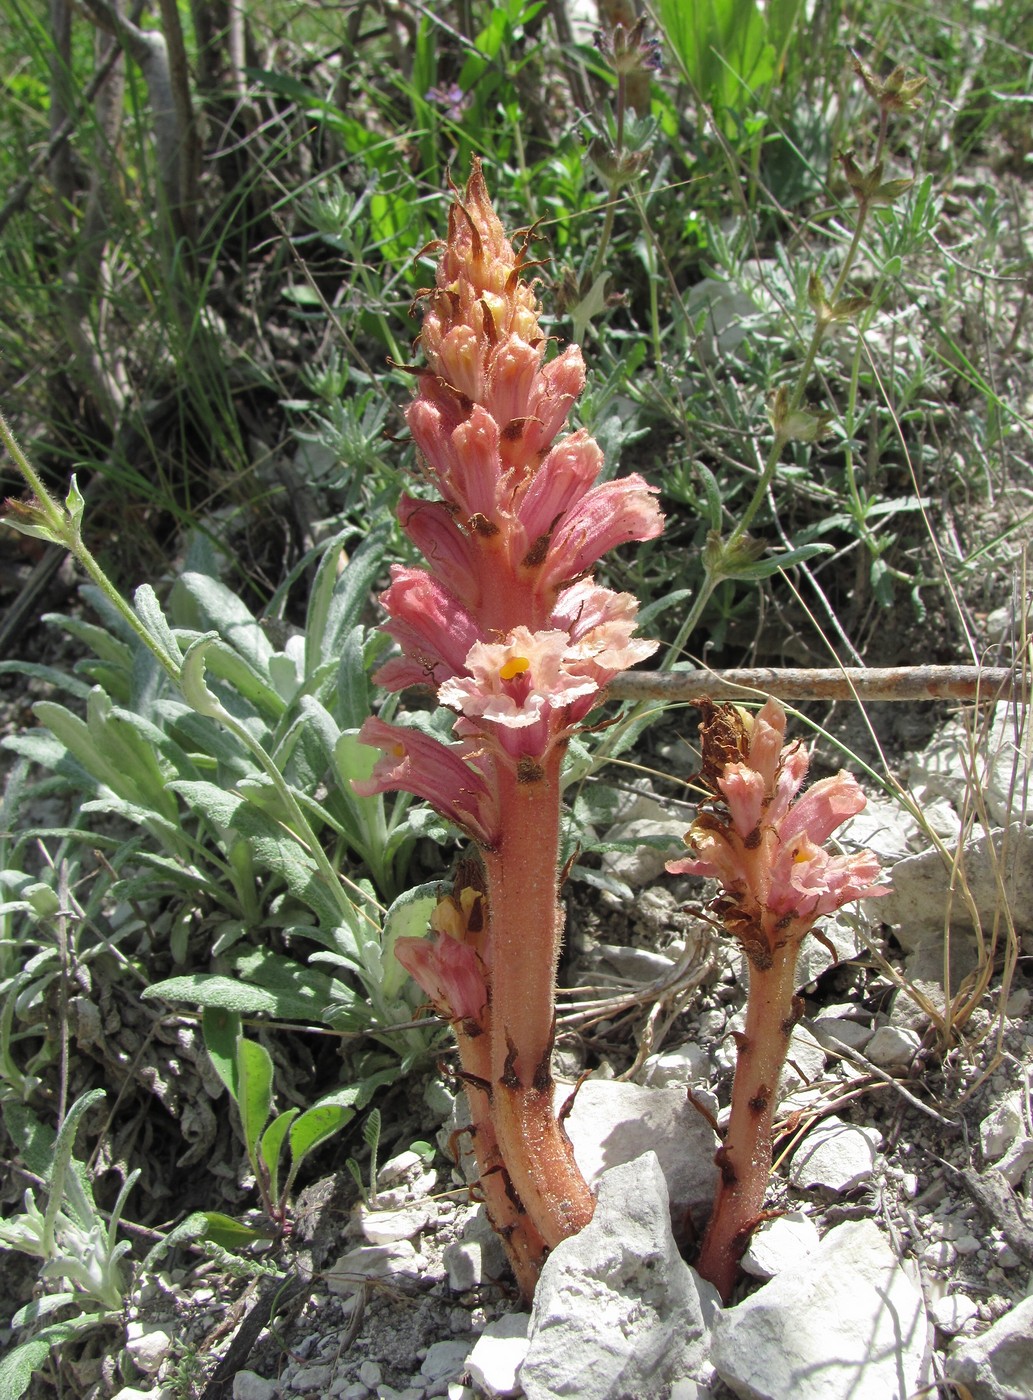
x=445 y=775
x=450 y=972
x=766 y=850
x=432 y=627
x=519 y=684
x=611 y=514
x=509 y=629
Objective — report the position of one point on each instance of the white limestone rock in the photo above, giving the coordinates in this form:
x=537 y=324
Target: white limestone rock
x=655 y=842
x=373 y=1261
x=477 y=1257
x=952 y=1312
x=893 y=1047
x=445 y=1360
x=998 y=1364
x=843 y=1323
x=684 y=1065
x=780 y=1244
x=837 y=1025
x=1000 y=1129
x=805 y=1061
x=494 y=1363
x=612 y=1123
x=916 y=906
x=148 y=1345
x=249 y=1386
x=1017 y=1161
x=617 y=1311
x=390 y=1226
x=836 y=1156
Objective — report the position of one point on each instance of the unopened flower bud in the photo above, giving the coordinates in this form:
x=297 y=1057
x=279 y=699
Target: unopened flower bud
x=897 y=93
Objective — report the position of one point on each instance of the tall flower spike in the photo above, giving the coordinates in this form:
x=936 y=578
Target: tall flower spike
x=511 y=632
x=766 y=850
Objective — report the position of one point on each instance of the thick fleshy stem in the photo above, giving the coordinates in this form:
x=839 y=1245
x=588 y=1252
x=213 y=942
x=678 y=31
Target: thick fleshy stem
x=526 y=925
x=744 y=1158
x=524 y=1244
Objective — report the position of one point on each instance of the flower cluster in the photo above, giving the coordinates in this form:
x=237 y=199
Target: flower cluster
x=767 y=851
x=504 y=623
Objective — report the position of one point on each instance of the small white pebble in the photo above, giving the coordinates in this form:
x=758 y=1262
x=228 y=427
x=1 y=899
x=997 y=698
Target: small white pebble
x=370 y=1374
x=1017 y=1004
x=951 y=1313
x=939 y=1256
x=968 y=1244
x=249 y=1386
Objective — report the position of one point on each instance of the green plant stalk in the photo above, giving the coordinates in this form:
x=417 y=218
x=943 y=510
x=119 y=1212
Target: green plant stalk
x=64 y=530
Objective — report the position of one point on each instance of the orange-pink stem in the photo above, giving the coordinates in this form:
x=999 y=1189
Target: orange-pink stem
x=526 y=926
x=744 y=1159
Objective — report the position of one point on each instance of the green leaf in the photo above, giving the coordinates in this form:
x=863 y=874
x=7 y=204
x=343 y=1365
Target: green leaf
x=33 y=1140
x=149 y=611
x=353 y=688
x=48 y=674
x=62 y=1177
x=314 y=1126
x=271 y=1145
x=211 y=989
x=219 y=607
x=255 y=1090
x=191 y=678
x=408 y=917
x=119 y=760
x=302 y=993
x=18 y=1366
x=350 y=595
x=231 y=1234
x=212 y=802
x=280 y=852
x=764 y=568
x=221 y=1030
x=98 y=639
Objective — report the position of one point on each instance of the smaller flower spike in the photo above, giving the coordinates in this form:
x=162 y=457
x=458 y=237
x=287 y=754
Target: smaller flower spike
x=766 y=850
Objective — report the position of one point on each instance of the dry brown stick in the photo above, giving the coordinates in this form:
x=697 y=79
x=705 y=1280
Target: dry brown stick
x=839 y=683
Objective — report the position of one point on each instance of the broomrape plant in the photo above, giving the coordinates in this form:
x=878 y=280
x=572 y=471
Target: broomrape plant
x=508 y=628
x=767 y=853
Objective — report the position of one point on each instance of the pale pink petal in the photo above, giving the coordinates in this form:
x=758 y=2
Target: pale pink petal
x=465 y=460
x=563 y=479
x=442 y=774
x=555 y=392
x=609 y=515
x=450 y=973
x=512 y=370
x=459 y=361
x=431 y=626
x=453 y=556
x=718 y=855
x=822 y=809
x=518 y=682
x=767 y=735
x=744 y=792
